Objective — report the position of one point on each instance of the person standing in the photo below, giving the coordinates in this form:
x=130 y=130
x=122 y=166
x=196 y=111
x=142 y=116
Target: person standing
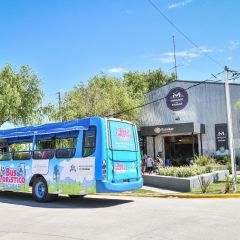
x=143 y=165
x=149 y=164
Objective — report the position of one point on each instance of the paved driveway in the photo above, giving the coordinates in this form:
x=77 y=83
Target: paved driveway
x=118 y=218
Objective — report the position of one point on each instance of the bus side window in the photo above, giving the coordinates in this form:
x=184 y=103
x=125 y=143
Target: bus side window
x=5 y=156
x=89 y=141
x=21 y=150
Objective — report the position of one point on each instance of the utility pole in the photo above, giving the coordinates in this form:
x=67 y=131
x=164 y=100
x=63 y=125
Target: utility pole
x=60 y=105
x=230 y=129
x=175 y=60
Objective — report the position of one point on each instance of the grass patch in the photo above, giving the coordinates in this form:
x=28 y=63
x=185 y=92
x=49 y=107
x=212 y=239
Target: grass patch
x=215 y=188
x=143 y=191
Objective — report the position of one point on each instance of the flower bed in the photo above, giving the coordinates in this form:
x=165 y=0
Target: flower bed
x=189 y=171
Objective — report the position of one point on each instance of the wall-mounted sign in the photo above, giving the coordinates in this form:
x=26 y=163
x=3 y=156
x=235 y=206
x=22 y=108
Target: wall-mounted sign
x=157 y=130
x=179 y=128
x=221 y=134
x=177 y=99
x=166 y=130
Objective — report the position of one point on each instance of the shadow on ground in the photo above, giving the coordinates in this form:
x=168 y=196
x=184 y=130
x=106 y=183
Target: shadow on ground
x=26 y=199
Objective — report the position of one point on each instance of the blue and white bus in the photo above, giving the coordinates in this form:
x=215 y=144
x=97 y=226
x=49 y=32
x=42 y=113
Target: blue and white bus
x=91 y=155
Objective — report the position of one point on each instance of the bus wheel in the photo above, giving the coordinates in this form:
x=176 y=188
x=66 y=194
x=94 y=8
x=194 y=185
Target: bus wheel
x=40 y=191
x=76 y=196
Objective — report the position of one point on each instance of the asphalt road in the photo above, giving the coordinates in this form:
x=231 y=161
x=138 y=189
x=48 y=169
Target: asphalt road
x=118 y=218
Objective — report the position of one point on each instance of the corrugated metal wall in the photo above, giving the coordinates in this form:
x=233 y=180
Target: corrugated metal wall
x=206 y=104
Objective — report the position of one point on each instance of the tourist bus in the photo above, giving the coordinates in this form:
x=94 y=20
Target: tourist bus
x=90 y=155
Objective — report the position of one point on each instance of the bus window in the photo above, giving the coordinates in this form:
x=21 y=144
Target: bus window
x=46 y=144
x=65 y=147
x=21 y=150
x=4 y=156
x=22 y=155
x=62 y=143
x=21 y=146
x=89 y=141
x=43 y=154
x=65 y=152
x=122 y=137
x=45 y=149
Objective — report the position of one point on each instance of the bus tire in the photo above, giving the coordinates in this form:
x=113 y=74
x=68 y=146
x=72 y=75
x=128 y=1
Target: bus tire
x=40 y=191
x=76 y=196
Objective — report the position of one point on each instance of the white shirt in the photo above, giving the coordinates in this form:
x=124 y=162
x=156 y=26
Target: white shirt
x=149 y=162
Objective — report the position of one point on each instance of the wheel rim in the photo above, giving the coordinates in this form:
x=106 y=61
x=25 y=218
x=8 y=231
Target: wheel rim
x=40 y=190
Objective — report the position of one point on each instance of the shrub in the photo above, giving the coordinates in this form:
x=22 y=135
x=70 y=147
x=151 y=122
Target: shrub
x=229 y=167
x=228 y=187
x=204 y=160
x=223 y=160
x=203 y=183
x=209 y=169
x=185 y=171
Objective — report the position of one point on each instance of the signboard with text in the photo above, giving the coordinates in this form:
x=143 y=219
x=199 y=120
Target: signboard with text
x=177 y=99
x=221 y=135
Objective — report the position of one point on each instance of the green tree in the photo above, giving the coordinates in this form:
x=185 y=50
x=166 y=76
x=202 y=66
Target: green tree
x=20 y=95
x=103 y=96
x=142 y=82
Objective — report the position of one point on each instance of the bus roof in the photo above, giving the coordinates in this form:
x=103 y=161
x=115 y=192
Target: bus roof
x=50 y=128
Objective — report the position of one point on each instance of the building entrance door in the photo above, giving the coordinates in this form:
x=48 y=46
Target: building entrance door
x=180 y=149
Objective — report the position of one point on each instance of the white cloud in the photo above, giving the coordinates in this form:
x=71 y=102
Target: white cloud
x=232 y=44
x=164 y=59
x=229 y=58
x=116 y=70
x=186 y=56
x=179 y=4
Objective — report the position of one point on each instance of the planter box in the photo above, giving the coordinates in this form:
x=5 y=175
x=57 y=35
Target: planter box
x=182 y=184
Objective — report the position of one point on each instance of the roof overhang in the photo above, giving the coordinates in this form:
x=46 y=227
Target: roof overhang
x=177 y=128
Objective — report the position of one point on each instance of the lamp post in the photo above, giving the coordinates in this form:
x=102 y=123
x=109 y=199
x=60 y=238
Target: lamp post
x=230 y=129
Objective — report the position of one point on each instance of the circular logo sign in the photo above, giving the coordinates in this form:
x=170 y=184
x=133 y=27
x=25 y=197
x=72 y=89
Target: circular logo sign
x=177 y=99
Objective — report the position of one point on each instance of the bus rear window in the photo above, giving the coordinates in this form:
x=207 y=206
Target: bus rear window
x=122 y=136
x=89 y=141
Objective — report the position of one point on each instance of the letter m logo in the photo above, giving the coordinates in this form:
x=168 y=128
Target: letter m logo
x=177 y=95
x=221 y=133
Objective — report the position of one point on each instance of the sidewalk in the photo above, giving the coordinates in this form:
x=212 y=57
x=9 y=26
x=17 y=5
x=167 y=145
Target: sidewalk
x=156 y=189
x=159 y=190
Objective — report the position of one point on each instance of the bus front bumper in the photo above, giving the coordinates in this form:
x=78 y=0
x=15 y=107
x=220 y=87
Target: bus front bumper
x=104 y=187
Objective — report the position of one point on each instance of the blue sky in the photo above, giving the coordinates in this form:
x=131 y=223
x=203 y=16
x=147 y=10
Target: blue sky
x=66 y=42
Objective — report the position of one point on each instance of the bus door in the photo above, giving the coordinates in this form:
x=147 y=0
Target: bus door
x=123 y=152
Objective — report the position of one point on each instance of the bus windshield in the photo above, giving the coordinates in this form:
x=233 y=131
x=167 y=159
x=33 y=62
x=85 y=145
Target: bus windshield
x=122 y=136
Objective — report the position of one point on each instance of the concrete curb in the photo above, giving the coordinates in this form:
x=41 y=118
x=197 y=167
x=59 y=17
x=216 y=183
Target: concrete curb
x=187 y=196
x=182 y=184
